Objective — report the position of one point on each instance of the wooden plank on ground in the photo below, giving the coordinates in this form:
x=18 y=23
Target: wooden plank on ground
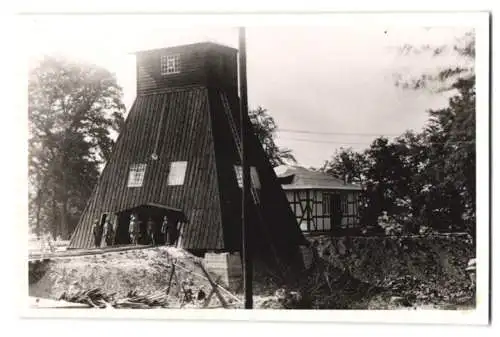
x=209 y=297
x=214 y=285
x=171 y=277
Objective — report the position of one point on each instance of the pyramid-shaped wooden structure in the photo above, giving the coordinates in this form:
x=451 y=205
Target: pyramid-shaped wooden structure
x=177 y=153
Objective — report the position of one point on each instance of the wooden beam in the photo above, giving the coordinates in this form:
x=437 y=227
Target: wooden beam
x=209 y=297
x=171 y=277
x=246 y=244
x=213 y=285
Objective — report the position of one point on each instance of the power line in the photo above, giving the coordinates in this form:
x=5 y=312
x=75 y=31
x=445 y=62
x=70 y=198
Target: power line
x=362 y=143
x=337 y=133
x=324 y=141
x=361 y=134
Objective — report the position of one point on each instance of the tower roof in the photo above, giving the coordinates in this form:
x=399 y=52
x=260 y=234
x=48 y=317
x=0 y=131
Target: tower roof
x=195 y=45
x=202 y=63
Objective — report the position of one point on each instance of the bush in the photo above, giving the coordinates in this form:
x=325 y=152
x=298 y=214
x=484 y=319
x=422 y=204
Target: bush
x=390 y=225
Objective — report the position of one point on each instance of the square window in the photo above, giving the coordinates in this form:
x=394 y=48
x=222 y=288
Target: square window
x=177 y=173
x=170 y=64
x=254 y=176
x=136 y=175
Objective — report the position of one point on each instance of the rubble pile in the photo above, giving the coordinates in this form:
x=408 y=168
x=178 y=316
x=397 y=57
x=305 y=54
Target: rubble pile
x=411 y=291
x=392 y=272
x=283 y=299
x=95 y=298
x=330 y=287
x=147 y=278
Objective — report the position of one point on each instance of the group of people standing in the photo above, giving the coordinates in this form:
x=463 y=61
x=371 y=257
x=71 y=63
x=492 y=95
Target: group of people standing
x=169 y=231
x=106 y=232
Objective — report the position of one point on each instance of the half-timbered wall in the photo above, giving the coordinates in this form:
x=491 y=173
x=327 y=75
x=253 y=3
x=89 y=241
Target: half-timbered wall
x=313 y=211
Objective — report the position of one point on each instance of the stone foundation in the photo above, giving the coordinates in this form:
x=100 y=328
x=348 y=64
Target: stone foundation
x=226 y=266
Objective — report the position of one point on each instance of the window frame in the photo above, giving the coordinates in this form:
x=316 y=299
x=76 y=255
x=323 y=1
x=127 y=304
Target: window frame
x=169 y=69
x=254 y=177
x=180 y=176
x=136 y=175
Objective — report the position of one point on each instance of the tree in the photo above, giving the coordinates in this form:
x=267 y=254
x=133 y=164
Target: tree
x=450 y=134
x=441 y=188
x=347 y=164
x=265 y=127
x=419 y=179
x=73 y=110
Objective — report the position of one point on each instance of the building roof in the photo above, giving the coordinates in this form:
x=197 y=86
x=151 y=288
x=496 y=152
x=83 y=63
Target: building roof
x=195 y=45
x=297 y=177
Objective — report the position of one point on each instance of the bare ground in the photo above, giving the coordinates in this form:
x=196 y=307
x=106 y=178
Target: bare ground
x=148 y=271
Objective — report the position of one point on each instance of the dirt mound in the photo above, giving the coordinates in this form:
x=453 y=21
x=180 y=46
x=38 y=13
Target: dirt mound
x=351 y=273
x=138 y=276
x=118 y=272
x=390 y=272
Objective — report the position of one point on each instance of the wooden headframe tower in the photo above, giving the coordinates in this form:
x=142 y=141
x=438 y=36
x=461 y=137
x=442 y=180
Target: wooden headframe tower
x=178 y=153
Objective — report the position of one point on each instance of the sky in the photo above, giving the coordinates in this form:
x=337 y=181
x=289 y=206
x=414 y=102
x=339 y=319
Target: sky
x=327 y=86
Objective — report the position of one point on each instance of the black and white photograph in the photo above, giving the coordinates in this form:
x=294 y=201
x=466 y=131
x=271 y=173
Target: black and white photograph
x=315 y=167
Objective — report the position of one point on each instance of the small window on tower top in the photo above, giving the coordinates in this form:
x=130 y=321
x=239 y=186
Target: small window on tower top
x=170 y=64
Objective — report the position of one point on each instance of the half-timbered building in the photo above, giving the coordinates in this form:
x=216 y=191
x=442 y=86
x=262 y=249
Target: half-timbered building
x=321 y=203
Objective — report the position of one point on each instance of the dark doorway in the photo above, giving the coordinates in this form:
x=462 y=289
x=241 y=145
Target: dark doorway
x=122 y=237
x=144 y=213
x=335 y=211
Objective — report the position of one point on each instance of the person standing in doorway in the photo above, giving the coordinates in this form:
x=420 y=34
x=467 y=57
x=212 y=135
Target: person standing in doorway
x=151 y=229
x=132 y=231
x=164 y=230
x=108 y=233
x=139 y=231
x=105 y=233
x=97 y=232
x=115 y=228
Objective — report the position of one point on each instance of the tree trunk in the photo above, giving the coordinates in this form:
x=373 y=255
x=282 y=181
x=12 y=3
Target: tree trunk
x=54 y=224
x=38 y=230
x=64 y=197
x=64 y=219
x=39 y=200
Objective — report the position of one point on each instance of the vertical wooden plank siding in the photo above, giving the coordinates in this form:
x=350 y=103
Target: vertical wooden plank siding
x=187 y=137
x=181 y=117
